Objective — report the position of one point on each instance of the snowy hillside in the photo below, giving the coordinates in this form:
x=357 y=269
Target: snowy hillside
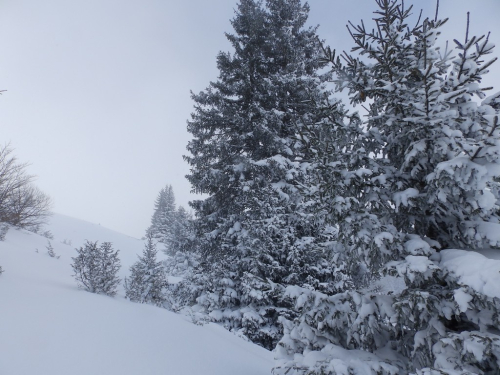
x=49 y=326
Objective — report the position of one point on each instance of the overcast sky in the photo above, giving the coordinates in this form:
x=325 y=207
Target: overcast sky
x=99 y=90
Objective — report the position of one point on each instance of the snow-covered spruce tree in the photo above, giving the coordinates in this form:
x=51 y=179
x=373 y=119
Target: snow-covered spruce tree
x=181 y=246
x=164 y=215
x=181 y=232
x=95 y=268
x=255 y=233
x=336 y=162
x=147 y=277
x=430 y=149
x=110 y=265
x=173 y=228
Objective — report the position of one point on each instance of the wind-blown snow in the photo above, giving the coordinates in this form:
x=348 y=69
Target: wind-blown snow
x=48 y=326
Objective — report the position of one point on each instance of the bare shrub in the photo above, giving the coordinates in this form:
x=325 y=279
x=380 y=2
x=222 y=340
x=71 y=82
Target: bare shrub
x=21 y=203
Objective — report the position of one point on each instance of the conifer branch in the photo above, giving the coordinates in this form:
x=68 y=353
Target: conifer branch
x=493 y=128
x=437 y=11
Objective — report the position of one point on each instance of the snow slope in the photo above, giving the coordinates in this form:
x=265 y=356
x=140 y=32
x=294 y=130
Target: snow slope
x=49 y=326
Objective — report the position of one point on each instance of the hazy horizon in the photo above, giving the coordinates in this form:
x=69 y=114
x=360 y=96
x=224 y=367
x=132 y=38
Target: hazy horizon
x=98 y=92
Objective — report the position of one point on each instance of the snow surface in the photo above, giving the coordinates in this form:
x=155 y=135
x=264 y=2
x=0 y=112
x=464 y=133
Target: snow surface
x=49 y=326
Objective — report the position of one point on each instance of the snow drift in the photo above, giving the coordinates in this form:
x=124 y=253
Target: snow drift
x=49 y=326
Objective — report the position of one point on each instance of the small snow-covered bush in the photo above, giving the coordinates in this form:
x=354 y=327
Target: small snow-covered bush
x=96 y=268
x=48 y=234
x=50 y=250
x=66 y=242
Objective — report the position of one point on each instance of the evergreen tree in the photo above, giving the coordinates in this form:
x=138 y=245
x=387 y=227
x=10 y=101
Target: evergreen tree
x=255 y=232
x=164 y=215
x=96 y=268
x=109 y=265
x=424 y=164
x=181 y=247
x=434 y=172
x=181 y=232
x=147 y=277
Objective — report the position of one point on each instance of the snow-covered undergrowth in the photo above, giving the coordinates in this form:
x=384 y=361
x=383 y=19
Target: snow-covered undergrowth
x=475 y=279
x=49 y=326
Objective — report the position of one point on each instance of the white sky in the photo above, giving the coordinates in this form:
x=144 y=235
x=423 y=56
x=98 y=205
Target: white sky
x=98 y=90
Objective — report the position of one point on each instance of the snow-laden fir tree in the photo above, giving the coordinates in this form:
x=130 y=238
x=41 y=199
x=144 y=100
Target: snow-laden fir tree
x=96 y=267
x=147 y=277
x=255 y=232
x=183 y=258
x=419 y=178
x=181 y=232
x=164 y=215
x=181 y=247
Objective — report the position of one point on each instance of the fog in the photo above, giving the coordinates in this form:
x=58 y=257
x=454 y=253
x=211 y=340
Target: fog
x=98 y=91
